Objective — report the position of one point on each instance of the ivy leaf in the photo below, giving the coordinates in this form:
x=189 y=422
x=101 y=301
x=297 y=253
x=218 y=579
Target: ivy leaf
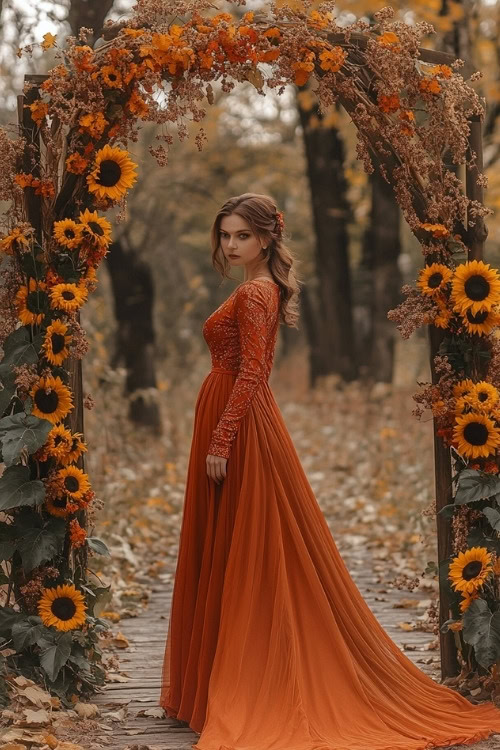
x=52 y=659
x=37 y=545
x=7 y=387
x=482 y=631
x=493 y=517
x=97 y=545
x=16 y=488
x=19 y=349
x=475 y=485
x=22 y=431
x=8 y=617
x=27 y=632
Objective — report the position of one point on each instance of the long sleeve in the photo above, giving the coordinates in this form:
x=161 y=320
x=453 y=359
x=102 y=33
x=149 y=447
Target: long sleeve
x=252 y=313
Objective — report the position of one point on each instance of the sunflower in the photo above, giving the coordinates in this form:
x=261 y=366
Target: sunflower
x=467 y=600
x=484 y=397
x=52 y=400
x=59 y=441
x=95 y=228
x=32 y=302
x=63 y=607
x=16 y=240
x=74 y=449
x=442 y=319
x=113 y=173
x=476 y=435
x=464 y=388
x=469 y=569
x=482 y=322
x=56 y=342
x=433 y=279
x=111 y=76
x=60 y=505
x=73 y=481
x=68 y=297
x=68 y=233
x=475 y=287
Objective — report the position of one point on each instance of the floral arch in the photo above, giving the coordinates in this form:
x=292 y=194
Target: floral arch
x=70 y=164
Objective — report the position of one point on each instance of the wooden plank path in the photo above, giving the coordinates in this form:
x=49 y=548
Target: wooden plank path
x=143 y=660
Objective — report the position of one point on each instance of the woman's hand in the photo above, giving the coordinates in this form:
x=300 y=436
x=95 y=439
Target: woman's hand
x=216 y=468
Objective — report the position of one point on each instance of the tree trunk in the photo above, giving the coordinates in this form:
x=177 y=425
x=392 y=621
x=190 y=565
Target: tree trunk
x=333 y=348
x=381 y=248
x=133 y=292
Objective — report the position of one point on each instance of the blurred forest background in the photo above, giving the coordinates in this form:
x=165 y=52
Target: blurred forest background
x=147 y=355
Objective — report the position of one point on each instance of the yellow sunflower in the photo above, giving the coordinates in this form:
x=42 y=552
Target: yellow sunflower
x=476 y=435
x=60 y=505
x=95 y=228
x=68 y=233
x=16 y=240
x=467 y=600
x=475 y=287
x=484 y=397
x=52 y=400
x=469 y=570
x=73 y=481
x=68 y=297
x=111 y=76
x=433 y=279
x=59 y=441
x=464 y=388
x=32 y=302
x=63 y=607
x=74 y=450
x=113 y=173
x=442 y=319
x=482 y=322
x=56 y=342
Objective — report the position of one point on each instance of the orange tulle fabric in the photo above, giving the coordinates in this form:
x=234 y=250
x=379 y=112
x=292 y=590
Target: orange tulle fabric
x=270 y=644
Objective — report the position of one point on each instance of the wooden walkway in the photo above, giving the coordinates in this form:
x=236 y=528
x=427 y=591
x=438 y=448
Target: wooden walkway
x=142 y=662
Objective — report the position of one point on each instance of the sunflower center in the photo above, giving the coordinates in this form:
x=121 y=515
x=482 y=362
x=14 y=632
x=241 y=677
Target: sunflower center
x=477 y=288
x=479 y=317
x=68 y=295
x=482 y=396
x=472 y=570
x=60 y=502
x=476 y=433
x=57 y=342
x=57 y=439
x=46 y=402
x=63 y=607
x=71 y=484
x=36 y=301
x=96 y=228
x=69 y=233
x=109 y=173
x=435 y=280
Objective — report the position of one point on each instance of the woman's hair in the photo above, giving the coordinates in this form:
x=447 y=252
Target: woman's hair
x=260 y=211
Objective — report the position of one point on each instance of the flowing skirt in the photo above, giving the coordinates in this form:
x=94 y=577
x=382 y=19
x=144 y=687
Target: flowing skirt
x=270 y=644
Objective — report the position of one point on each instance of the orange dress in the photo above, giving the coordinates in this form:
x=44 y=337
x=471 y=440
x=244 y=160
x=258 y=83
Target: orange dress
x=270 y=643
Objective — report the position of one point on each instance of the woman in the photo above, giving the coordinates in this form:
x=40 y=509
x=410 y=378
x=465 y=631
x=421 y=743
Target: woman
x=270 y=644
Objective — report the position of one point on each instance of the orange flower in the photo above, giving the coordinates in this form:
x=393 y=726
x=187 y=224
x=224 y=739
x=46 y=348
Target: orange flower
x=133 y=32
x=82 y=59
x=38 y=109
x=216 y=20
x=76 y=164
x=23 y=180
x=77 y=535
x=441 y=70
x=272 y=33
x=303 y=72
x=389 y=103
x=137 y=105
x=319 y=20
x=93 y=123
x=389 y=39
x=430 y=87
x=268 y=55
x=332 y=60
x=438 y=230
x=49 y=41
x=248 y=17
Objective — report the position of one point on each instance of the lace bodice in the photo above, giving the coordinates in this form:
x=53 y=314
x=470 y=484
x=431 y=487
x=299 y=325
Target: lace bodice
x=241 y=335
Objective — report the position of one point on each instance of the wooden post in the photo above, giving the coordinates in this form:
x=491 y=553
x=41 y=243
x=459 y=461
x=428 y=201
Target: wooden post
x=476 y=235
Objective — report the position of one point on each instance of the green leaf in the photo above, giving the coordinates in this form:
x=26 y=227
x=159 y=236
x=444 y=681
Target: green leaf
x=447 y=510
x=27 y=632
x=444 y=581
x=493 y=517
x=7 y=387
x=8 y=617
x=37 y=545
x=52 y=659
x=16 y=488
x=19 y=349
x=22 y=431
x=475 y=485
x=482 y=631
x=97 y=545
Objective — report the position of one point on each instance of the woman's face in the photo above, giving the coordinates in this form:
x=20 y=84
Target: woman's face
x=238 y=243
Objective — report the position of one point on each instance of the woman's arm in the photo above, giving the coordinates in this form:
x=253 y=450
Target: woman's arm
x=252 y=314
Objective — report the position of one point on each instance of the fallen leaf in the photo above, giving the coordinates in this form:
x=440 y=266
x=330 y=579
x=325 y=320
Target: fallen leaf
x=120 y=640
x=36 y=695
x=157 y=712
x=36 y=718
x=406 y=626
x=86 y=710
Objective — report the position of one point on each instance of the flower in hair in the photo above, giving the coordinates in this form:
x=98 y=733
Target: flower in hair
x=280 y=220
